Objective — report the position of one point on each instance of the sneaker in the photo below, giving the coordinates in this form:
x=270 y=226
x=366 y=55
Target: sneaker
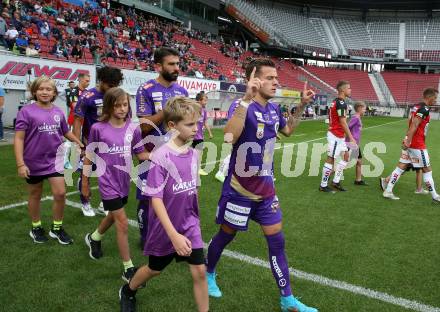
x=219 y=176
x=421 y=192
x=128 y=304
x=213 y=289
x=361 y=182
x=383 y=183
x=87 y=210
x=291 y=304
x=128 y=274
x=95 y=251
x=436 y=200
x=390 y=195
x=3 y=140
x=101 y=209
x=203 y=172
x=326 y=189
x=338 y=186
x=38 y=235
x=61 y=235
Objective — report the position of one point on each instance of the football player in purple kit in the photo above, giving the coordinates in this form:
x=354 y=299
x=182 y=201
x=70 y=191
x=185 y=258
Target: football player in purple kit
x=151 y=99
x=39 y=122
x=88 y=109
x=174 y=223
x=248 y=191
x=111 y=143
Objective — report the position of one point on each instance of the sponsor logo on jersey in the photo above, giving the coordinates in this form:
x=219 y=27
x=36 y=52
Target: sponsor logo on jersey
x=260 y=130
x=156 y=94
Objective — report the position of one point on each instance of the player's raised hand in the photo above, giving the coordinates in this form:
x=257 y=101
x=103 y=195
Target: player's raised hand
x=252 y=87
x=307 y=94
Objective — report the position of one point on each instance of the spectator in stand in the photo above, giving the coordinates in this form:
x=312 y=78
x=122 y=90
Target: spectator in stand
x=3 y=29
x=21 y=42
x=77 y=52
x=11 y=34
x=31 y=51
x=45 y=29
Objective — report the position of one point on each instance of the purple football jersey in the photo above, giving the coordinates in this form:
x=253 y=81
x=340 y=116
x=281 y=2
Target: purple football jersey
x=114 y=158
x=173 y=178
x=251 y=165
x=355 y=126
x=200 y=123
x=151 y=98
x=89 y=107
x=44 y=133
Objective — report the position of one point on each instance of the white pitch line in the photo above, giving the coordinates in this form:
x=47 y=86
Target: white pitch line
x=318 y=279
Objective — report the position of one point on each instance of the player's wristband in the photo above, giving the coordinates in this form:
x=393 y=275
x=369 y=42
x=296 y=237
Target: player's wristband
x=244 y=104
x=19 y=166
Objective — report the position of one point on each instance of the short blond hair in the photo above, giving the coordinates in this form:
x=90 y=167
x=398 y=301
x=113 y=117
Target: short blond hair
x=177 y=108
x=35 y=85
x=358 y=105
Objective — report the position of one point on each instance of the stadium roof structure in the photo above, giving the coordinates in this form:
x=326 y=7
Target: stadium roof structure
x=403 y=5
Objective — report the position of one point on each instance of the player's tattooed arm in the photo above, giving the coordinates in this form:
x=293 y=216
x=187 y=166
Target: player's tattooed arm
x=235 y=125
x=294 y=119
x=411 y=131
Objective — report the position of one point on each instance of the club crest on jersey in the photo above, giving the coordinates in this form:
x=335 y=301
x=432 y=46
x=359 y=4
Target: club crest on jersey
x=260 y=130
x=57 y=118
x=158 y=106
x=277 y=125
x=128 y=137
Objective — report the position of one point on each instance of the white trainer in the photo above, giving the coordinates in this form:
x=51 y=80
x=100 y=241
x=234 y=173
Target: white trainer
x=390 y=195
x=421 y=192
x=87 y=210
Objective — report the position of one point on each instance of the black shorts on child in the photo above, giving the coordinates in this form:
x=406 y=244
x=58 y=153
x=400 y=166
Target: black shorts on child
x=158 y=263
x=115 y=203
x=41 y=178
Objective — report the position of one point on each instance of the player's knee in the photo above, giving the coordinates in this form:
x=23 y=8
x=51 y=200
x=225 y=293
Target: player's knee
x=59 y=195
x=121 y=224
x=276 y=241
x=199 y=273
x=36 y=193
x=227 y=229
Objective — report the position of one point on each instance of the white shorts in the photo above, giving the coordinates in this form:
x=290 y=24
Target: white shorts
x=335 y=145
x=419 y=157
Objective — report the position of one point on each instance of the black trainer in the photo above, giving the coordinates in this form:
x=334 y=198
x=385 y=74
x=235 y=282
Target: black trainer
x=338 y=187
x=95 y=251
x=128 y=303
x=325 y=189
x=38 y=235
x=128 y=274
x=61 y=235
x=361 y=182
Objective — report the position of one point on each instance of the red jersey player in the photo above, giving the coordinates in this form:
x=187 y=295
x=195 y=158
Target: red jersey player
x=337 y=131
x=414 y=143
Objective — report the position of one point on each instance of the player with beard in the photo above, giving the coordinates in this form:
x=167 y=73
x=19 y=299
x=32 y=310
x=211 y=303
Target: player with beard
x=151 y=99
